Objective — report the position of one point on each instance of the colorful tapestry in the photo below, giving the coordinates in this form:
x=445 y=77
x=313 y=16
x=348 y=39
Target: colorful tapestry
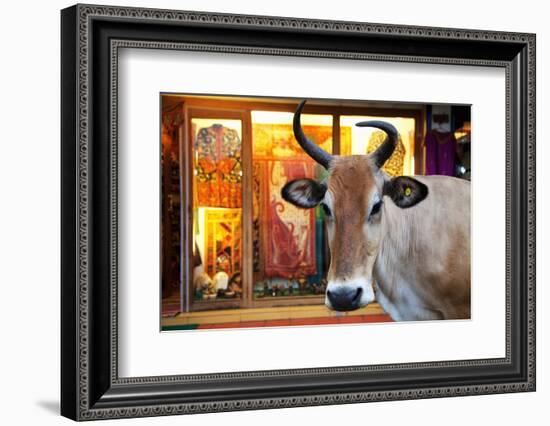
x=222 y=241
x=288 y=233
x=218 y=167
x=277 y=140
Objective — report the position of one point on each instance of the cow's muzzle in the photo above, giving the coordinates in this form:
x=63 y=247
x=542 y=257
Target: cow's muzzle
x=349 y=296
x=344 y=299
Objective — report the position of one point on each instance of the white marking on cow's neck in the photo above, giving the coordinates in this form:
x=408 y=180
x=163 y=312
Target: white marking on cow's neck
x=328 y=200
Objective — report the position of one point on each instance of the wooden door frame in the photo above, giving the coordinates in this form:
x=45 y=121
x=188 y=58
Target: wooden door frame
x=188 y=169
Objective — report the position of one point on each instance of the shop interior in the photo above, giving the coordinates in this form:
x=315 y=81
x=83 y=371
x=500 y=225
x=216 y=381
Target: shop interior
x=233 y=252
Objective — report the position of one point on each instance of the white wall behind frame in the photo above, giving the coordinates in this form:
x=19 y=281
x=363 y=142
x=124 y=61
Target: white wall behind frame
x=29 y=225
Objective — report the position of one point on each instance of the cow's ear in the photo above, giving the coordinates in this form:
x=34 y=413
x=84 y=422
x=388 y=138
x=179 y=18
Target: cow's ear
x=405 y=191
x=304 y=193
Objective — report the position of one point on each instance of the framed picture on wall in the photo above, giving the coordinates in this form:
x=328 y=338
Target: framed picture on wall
x=263 y=212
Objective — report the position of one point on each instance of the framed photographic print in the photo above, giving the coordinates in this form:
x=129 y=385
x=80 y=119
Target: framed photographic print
x=263 y=212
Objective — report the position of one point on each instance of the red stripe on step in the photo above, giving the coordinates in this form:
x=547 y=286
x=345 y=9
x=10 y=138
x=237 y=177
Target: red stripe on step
x=313 y=321
x=233 y=324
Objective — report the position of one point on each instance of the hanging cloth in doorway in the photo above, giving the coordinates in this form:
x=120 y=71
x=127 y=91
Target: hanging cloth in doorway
x=440 y=153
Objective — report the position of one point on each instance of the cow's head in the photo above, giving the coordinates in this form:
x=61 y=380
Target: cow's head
x=352 y=198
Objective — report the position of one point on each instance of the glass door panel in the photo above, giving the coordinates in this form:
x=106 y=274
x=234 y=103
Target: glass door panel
x=217 y=210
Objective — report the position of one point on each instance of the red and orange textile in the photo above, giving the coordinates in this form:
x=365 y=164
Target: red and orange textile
x=288 y=233
x=218 y=167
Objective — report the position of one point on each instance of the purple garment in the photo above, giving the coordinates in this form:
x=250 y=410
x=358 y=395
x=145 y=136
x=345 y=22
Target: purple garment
x=440 y=153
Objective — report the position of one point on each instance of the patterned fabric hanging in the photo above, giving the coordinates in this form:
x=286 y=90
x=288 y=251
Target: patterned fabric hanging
x=287 y=242
x=218 y=167
x=289 y=232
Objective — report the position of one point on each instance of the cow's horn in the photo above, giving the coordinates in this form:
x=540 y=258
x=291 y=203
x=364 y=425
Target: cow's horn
x=385 y=150
x=311 y=149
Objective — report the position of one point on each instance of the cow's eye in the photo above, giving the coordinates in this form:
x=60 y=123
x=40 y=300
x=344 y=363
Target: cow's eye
x=376 y=208
x=326 y=210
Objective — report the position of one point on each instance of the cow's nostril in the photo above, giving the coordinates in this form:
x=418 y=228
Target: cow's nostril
x=344 y=299
x=357 y=296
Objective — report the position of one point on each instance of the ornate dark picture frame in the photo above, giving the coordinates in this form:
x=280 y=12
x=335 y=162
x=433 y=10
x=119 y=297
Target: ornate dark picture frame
x=91 y=37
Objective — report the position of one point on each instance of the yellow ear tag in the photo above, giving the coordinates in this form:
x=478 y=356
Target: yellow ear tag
x=408 y=191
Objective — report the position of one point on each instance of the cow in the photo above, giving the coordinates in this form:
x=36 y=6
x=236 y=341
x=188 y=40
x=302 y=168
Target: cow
x=402 y=241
